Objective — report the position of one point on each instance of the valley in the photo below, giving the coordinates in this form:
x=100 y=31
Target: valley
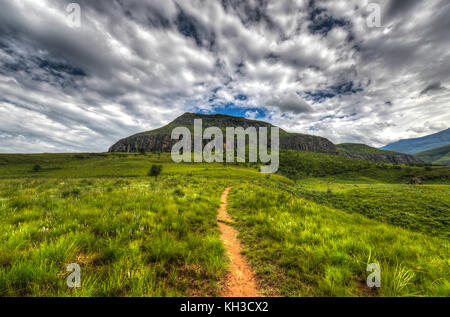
x=309 y=230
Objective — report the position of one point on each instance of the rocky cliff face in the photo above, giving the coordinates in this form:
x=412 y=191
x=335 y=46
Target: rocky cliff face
x=395 y=159
x=307 y=143
x=150 y=143
x=164 y=143
x=365 y=152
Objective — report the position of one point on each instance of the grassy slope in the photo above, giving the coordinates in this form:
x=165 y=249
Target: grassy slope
x=361 y=149
x=299 y=165
x=300 y=248
x=439 y=156
x=445 y=160
x=419 y=208
x=90 y=209
x=131 y=237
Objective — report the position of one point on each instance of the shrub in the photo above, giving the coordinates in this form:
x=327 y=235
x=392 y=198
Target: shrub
x=142 y=151
x=37 y=168
x=155 y=170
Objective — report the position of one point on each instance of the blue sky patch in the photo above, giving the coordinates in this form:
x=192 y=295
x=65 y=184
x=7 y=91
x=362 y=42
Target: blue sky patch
x=233 y=110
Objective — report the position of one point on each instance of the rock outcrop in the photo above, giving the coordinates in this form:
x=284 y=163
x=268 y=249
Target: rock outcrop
x=307 y=143
x=389 y=158
x=365 y=152
x=149 y=143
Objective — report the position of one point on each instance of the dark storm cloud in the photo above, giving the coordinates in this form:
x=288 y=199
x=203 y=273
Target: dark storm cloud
x=248 y=11
x=320 y=96
x=432 y=87
x=322 y=22
x=400 y=7
x=134 y=65
x=191 y=27
x=59 y=40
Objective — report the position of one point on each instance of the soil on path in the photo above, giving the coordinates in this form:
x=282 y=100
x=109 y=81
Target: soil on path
x=240 y=281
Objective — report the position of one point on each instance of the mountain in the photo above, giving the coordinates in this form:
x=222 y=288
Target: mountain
x=160 y=139
x=365 y=152
x=416 y=145
x=437 y=156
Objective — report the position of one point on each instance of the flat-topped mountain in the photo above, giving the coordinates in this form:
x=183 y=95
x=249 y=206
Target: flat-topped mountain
x=160 y=139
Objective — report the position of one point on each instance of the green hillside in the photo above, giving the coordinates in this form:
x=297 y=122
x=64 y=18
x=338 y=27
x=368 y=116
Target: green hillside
x=311 y=234
x=437 y=156
x=365 y=152
x=361 y=149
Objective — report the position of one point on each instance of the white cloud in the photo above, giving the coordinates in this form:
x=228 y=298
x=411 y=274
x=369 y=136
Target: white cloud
x=135 y=65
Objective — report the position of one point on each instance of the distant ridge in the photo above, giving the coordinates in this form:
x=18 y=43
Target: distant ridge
x=437 y=156
x=416 y=145
x=365 y=152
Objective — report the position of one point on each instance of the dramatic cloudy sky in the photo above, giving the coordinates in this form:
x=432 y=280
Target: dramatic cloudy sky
x=308 y=66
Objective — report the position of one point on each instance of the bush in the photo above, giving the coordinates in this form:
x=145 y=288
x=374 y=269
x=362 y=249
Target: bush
x=37 y=168
x=155 y=170
x=142 y=151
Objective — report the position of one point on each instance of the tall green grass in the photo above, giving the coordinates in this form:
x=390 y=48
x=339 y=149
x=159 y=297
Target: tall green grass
x=137 y=237
x=300 y=248
x=424 y=208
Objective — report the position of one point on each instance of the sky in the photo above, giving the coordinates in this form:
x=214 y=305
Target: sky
x=314 y=67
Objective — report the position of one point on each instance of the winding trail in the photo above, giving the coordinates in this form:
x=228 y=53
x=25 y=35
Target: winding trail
x=240 y=281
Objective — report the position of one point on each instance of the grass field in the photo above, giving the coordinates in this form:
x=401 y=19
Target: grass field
x=300 y=248
x=419 y=208
x=134 y=235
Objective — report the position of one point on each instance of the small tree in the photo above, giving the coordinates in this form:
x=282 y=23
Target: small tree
x=155 y=170
x=37 y=168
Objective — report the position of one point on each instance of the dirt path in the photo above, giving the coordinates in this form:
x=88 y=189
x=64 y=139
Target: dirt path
x=240 y=281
